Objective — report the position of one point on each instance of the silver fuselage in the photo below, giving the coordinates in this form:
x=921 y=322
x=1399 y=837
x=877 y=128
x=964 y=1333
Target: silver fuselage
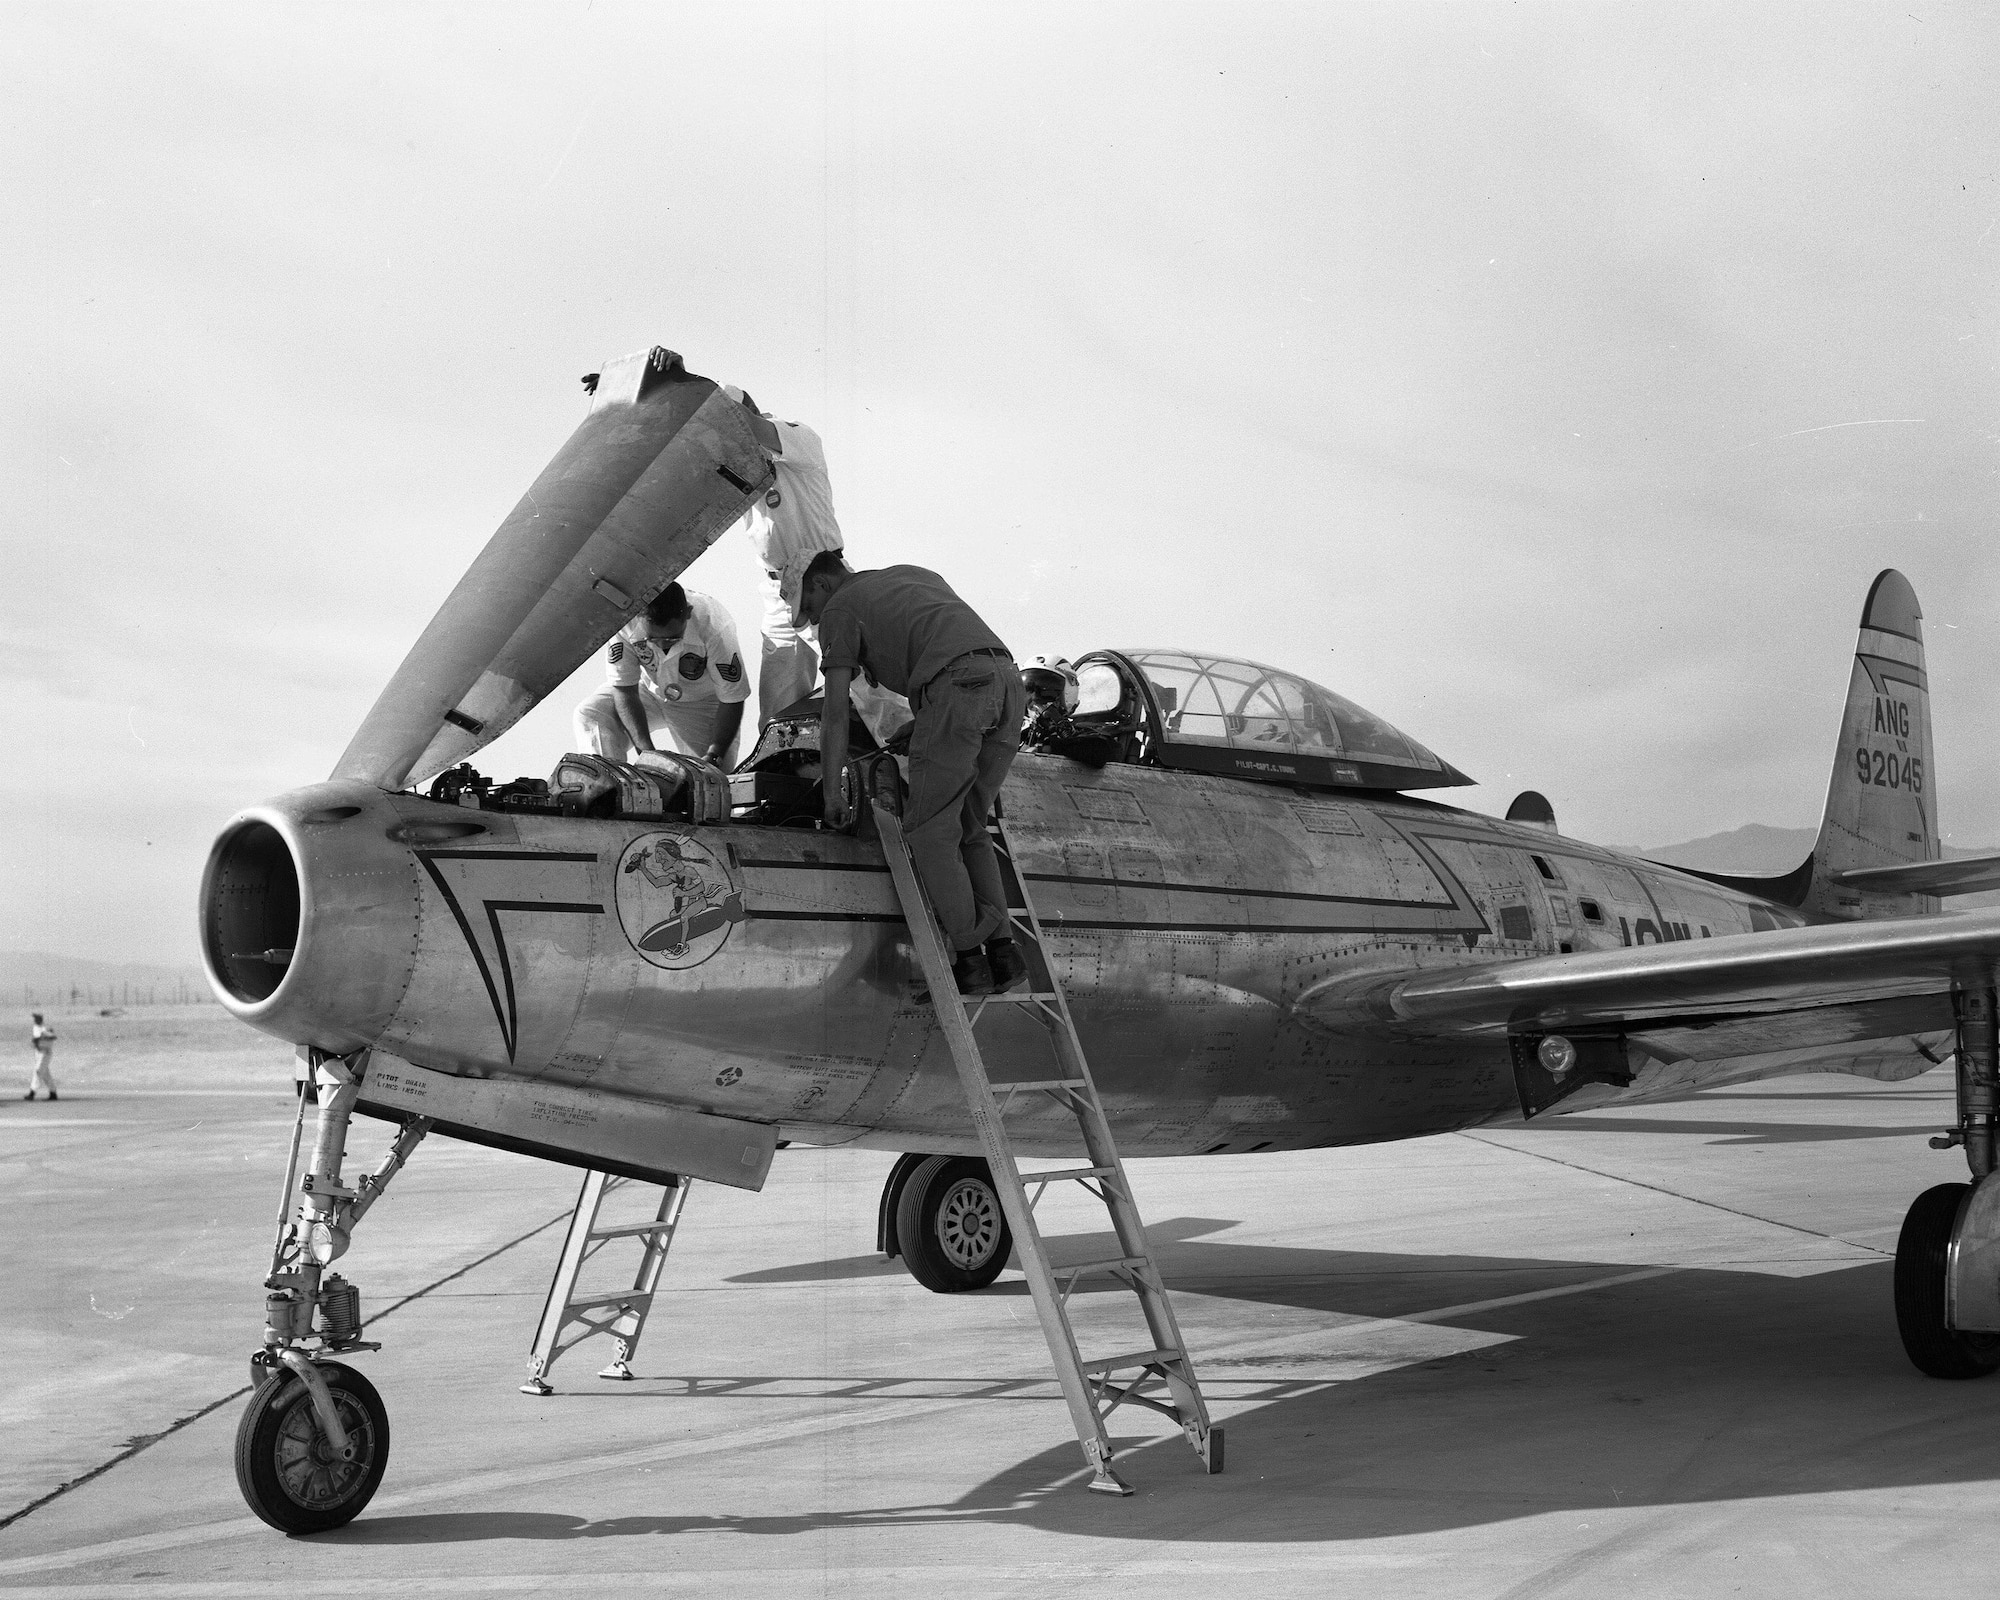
x=1220 y=942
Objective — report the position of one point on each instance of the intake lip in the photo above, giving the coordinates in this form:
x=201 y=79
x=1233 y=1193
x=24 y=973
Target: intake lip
x=308 y=916
x=251 y=922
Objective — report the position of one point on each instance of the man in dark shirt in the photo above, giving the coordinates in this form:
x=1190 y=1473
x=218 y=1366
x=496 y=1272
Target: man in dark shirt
x=905 y=628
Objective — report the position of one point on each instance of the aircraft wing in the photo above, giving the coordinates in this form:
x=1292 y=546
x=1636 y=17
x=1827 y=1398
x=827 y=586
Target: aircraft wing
x=1966 y=875
x=1854 y=967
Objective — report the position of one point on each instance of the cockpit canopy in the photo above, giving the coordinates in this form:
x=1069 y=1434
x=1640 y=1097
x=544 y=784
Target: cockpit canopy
x=1224 y=715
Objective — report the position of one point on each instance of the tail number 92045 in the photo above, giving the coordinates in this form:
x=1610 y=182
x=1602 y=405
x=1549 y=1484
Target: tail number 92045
x=1883 y=769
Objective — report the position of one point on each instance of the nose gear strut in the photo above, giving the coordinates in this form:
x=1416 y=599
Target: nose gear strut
x=314 y=1439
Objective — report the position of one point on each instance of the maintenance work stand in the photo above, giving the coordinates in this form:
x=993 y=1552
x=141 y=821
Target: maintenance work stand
x=569 y=1318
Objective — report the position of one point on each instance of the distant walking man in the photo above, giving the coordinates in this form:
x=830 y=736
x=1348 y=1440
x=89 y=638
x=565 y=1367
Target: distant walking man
x=43 y=1038
x=675 y=674
x=905 y=628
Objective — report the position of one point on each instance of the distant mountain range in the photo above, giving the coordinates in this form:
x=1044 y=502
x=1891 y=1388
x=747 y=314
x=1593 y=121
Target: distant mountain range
x=1756 y=851
x=1753 y=849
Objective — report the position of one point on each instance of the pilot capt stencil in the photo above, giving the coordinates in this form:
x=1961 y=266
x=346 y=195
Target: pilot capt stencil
x=674 y=676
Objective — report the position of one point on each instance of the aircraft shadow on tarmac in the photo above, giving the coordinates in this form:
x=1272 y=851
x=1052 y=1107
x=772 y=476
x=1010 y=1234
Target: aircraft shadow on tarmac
x=1744 y=1131
x=1738 y=1096
x=1349 y=1282
x=1698 y=1386
x=874 y=1265
x=1316 y=1279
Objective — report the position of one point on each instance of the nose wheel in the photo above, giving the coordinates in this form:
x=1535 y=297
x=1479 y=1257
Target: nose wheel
x=291 y=1473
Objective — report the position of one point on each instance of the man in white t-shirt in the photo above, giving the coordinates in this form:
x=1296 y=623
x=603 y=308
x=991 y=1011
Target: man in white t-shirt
x=791 y=524
x=43 y=1038
x=674 y=673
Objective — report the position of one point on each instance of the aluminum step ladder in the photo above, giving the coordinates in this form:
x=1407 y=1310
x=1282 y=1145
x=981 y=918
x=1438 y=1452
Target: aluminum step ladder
x=569 y=1318
x=1093 y=1388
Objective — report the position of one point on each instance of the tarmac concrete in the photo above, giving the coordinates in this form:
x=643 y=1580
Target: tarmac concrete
x=1648 y=1352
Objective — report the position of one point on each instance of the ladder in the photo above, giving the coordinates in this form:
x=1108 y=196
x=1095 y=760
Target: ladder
x=1093 y=1388
x=569 y=1318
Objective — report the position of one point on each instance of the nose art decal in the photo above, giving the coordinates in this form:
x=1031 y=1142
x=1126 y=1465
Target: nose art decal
x=676 y=900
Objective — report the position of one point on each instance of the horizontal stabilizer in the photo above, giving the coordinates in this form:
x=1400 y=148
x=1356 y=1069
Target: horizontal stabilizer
x=1966 y=875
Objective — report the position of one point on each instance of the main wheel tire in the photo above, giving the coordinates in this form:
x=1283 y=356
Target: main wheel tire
x=953 y=1234
x=288 y=1474
x=892 y=1195
x=1935 y=1348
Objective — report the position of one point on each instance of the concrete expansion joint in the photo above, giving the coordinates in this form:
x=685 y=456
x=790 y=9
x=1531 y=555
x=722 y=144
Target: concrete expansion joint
x=1675 y=1194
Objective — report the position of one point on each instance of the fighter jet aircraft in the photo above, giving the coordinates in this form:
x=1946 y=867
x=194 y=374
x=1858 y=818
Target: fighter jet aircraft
x=1267 y=941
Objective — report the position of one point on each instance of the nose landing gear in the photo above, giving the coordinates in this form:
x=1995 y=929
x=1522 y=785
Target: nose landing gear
x=314 y=1440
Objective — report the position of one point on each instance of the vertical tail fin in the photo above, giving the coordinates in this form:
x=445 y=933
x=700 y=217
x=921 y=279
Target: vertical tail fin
x=1881 y=808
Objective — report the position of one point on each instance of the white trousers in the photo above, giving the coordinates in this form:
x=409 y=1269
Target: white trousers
x=790 y=664
x=686 y=726
x=42 y=1082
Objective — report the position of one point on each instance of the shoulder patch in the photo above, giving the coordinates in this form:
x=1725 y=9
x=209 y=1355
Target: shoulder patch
x=617 y=651
x=730 y=671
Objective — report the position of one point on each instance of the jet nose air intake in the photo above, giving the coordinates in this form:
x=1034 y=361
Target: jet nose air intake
x=308 y=916
x=250 y=911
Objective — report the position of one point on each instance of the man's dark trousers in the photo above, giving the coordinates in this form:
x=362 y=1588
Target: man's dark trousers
x=967 y=733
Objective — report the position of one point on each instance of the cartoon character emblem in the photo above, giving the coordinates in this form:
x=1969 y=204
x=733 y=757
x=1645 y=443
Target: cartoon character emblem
x=676 y=901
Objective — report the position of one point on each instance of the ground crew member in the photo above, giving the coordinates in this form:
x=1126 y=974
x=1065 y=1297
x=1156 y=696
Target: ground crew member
x=905 y=628
x=792 y=523
x=43 y=1038
x=788 y=526
x=675 y=673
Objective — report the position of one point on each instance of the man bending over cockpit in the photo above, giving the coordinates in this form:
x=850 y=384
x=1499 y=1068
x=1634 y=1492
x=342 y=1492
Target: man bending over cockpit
x=676 y=675
x=904 y=628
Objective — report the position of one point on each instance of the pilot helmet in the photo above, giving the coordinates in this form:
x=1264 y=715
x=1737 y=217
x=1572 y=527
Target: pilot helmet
x=1050 y=680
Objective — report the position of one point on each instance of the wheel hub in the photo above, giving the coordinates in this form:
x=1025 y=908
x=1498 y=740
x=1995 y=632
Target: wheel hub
x=968 y=1224
x=313 y=1473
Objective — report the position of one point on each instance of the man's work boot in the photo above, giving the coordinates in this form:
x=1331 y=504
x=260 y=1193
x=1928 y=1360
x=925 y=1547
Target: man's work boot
x=1008 y=964
x=971 y=972
x=52 y=1096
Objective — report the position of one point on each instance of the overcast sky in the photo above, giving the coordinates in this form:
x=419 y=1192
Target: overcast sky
x=1550 y=379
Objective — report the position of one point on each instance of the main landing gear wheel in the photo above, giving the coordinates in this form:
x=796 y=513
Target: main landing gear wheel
x=289 y=1473
x=953 y=1234
x=1937 y=1350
